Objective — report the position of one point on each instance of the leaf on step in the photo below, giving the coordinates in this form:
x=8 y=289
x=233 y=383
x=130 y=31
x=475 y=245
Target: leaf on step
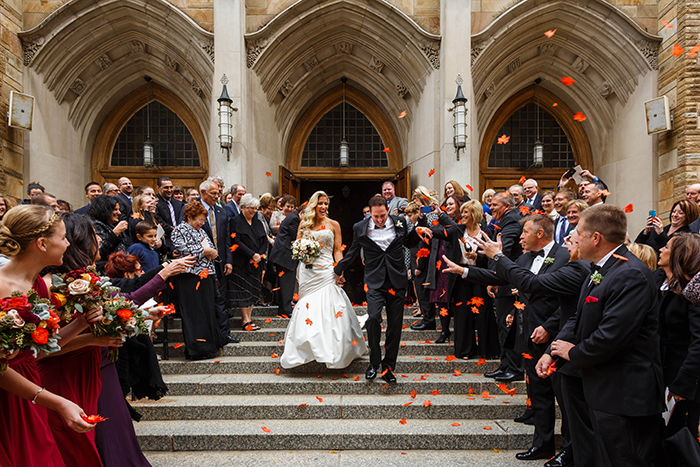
x=319 y=399
x=435 y=392
x=406 y=404
x=277 y=370
x=427 y=403
x=356 y=378
x=274 y=355
x=266 y=429
x=456 y=424
x=402 y=421
x=177 y=346
x=413 y=394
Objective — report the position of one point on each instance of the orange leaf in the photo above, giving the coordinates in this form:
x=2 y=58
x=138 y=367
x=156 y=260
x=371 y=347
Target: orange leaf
x=295 y=296
x=177 y=346
x=427 y=404
x=281 y=341
x=629 y=208
x=356 y=378
x=524 y=210
x=255 y=264
x=469 y=187
x=528 y=402
x=519 y=306
x=274 y=355
x=197 y=287
x=551 y=368
x=135 y=216
x=265 y=429
x=435 y=222
x=392 y=291
x=319 y=399
x=280 y=274
x=443 y=292
x=615 y=255
x=456 y=424
x=550 y=33
x=201 y=340
x=413 y=394
x=475 y=310
x=694 y=51
x=567 y=80
x=268 y=320
x=383 y=372
x=450 y=358
x=307 y=305
x=233 y=248
x=504 y=388
x=487 y=428
x=339 y=314
x=677 y=50
x=478 y=301
x=233 y=235
x=302 y=405
x=435 y=392
x=458 y=304
x=366 y=288
x=527 y=356
x=444 y=312
x=554 y=104
x=402 y=114
x=249 y=327
x=309 y=322
x=402 y=421
x=268 y=174
x=384 y=387
x=93 y=418
x=503 y=139
x=354 y=342
x=406 y=404
x=579 y=117
x=277 y=370
x=204 y=274
x=386 y=150
x=482 y=361
x=431 y=173
x=342 y=247
x=666 y=23
x=522 y=180
x=423 y=253
x=438 y=263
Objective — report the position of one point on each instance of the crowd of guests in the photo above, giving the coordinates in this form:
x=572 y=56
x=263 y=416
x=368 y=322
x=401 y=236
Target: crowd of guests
x=548 y=283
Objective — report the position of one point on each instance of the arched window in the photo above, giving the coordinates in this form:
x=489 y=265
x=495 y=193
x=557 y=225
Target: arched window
x=173 y=144
x=322 y=147
x=521 y=127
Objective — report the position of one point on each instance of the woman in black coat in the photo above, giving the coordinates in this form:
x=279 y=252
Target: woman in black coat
x=104 y=212
x=679 y=327
x=656 y=235
x=249 y=246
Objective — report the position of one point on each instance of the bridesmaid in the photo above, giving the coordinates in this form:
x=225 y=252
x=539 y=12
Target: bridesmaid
x=34 y=237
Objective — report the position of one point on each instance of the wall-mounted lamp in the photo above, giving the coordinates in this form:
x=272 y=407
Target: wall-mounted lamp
x=459 y=111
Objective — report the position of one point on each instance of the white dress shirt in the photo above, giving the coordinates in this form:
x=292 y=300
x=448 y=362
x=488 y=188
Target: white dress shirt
x=539 y=260
x=382 y=236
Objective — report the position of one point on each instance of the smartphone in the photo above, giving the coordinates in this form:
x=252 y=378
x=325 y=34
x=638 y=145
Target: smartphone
x=426 y=209
x=570 y=173
x=652 y=213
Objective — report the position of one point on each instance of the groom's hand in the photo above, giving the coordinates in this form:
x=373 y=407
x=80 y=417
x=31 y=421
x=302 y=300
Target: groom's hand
x=340 y=280
x=452 y=267
x=489 y=247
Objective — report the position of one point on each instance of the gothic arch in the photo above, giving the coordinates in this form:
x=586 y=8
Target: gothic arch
x=318 y=109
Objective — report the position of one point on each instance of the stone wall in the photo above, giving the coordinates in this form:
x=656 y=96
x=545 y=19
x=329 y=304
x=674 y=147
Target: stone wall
x=11 y=69
x=643 y=12
x=424 y=12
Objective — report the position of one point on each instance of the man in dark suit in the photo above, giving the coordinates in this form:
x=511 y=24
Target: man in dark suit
x=544 y=255
x=532 y=199
x=92 y=191
x=124 y=197
x=168 y=208
x=216 y=228
x=562 y=227
x=232 y=207
x=383 y=238
x=613 y=339
x=281 y=256
x=508 y=226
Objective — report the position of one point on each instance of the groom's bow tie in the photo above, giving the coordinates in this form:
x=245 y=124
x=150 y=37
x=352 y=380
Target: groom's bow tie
x=535 y=254
x=379 y=226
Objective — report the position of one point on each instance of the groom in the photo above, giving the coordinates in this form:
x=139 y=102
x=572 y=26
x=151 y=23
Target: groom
x=382 y=237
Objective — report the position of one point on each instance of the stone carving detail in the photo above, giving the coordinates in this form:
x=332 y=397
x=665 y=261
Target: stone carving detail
x=343 y=48
x=401 y=89
x=514 y=65
x=208 y=48
x=376 y=64
x=605 y=90
x=432 y=52
x=136 y=47
x=254 y=51
x=196 y=88
x=31 y=47
x=78 y=86
x=650 y=51
x=286 y=88
x=580 y=65
x=172 y=64
x=311 y=63
x=104 y=61
x=548 y=49
x=490 y=89
x=477 y=48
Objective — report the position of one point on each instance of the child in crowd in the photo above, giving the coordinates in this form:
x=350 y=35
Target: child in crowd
x=147 y=236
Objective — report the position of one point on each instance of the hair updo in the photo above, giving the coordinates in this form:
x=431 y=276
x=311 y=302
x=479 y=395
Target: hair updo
x=24 y=224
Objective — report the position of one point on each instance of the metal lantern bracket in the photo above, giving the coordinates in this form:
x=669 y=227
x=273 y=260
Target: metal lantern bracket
x=459 y=112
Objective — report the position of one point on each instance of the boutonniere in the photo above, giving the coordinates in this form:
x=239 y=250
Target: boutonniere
x=549 y=261
x=591 y=299
x=596 y=277
x=398 y=224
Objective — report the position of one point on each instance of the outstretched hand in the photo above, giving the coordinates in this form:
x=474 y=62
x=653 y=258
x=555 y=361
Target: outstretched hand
x=452 y=267
x=488 y=246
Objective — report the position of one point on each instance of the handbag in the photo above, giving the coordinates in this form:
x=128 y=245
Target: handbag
x=683 y=448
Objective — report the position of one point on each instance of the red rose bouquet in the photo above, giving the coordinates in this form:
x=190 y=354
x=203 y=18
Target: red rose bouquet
x=27 y=322
x=121 y=318
x=79 y=291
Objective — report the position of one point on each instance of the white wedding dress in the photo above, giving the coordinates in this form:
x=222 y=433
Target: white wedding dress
x=324 y=325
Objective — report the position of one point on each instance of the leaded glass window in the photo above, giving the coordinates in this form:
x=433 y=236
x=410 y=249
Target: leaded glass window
x=322 y=148
x=173 y=144
x=522 y=129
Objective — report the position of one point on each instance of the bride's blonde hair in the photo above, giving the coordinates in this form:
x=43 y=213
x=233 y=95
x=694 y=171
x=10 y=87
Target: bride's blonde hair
x=308 y=215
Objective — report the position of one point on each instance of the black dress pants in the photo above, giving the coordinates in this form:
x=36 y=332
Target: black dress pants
x=285 y=294
x=623 y=441
x=376 y=300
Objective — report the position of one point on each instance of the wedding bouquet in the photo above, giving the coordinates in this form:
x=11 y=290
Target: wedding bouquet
x=121 y=318
x=306 y=250
x=27 y=322
x=79 y=291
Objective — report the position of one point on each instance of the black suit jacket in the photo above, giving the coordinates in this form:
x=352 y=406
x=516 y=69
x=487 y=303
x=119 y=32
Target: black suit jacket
x=232 y=209
x=163 y=211
x=679 y=327
x=381 y=265
x=616 y=339
x=566 y=232
x=281 y=253
x=537 y=203
x=84 y=210
x=250 y=239
x=223 y=245
x=124 y=206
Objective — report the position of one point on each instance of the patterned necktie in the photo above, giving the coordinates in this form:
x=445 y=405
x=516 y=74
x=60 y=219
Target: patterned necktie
x=172 y=214
x=212 y=224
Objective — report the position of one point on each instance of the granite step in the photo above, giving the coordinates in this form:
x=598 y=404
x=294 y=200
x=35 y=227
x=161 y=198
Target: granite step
x=272 y=310
x=266 y=364
x=264 y=334
x=310 y=384
x=275 y=322
x=223 y=435
x=305 y=406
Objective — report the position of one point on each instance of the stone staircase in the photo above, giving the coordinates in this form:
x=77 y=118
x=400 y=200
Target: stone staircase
x=244 y=400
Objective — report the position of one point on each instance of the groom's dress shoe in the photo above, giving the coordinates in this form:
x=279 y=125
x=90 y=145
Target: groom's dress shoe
x=371 y=373
x=533 y=454
x=388 y=376
x=509 y=377
x=563 y=459
x=423 y=326
x=493 y=374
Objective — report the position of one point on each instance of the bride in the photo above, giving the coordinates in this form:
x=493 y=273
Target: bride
x=324 y=326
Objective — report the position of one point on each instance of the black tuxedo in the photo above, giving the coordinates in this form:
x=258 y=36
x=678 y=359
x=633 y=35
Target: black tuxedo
x=386 y=280
x=124 y=206
x=281 y=256
x=163 y=211
x=223 y=247
x=615 y=332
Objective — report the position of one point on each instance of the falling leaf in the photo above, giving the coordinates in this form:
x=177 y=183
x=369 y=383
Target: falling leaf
x=444 y=312
x=666 y=24
x=469 y=187
x=277 y=370
x=694 y=51
x=677 y=50
x=568 y=80
x=402 y=421
x=319 y=399
x=555 y=104
x=295 y=296
x=366 y=288
x=307 y=305
x=402 y=114
x=519 y=306
x=392 y=291
x=475 y=310
x=383 y=372
x=204 y=274
x=268 y=174
x=615 y=255
x=201 y=340
x=386 y=150
x=478 y=301
x=406 y=404
x=551 y=368
x=354 y=342
x=265 y=429
x=522 y=180
x=579 y=117
x=233 y=235
x=309 y=322
x=528 y=402
x=135 y=216
x=339 y=314
x=281 y=341
x=524 y=210
x=503 y=139
x=233 y=248
x=427 y=403
x=384 y=387
x=93 y=418
x=177 y=346
x=342 y=247
x=629 y=208
x=435 y=222
x=504 y=388
x=423 y=253
x=438 y=263
x=456 y=424
x=527 y=356
x=431 y=173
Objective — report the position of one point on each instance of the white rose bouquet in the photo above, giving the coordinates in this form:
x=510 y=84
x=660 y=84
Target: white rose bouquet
x=79 y=291
x=306 y=250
